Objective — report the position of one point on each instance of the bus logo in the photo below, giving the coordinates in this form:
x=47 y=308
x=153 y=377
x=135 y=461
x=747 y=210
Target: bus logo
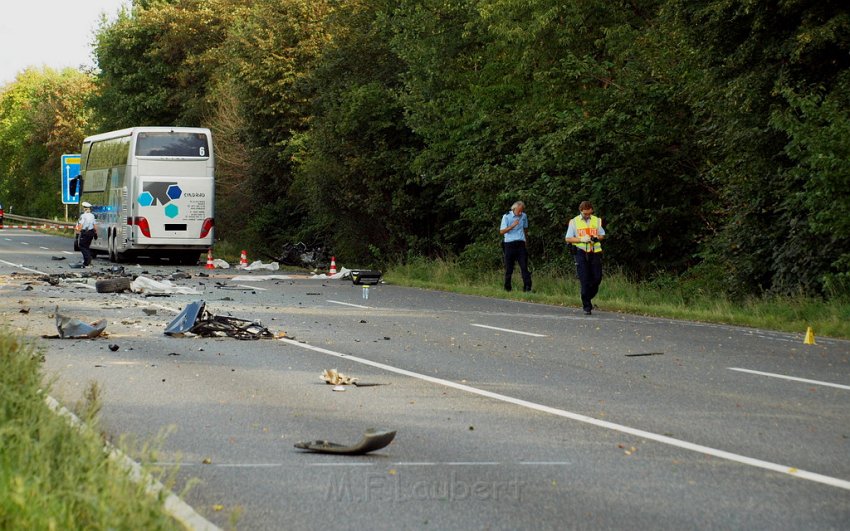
x=161 y=193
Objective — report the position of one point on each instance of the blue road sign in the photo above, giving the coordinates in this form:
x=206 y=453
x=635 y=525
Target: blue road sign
x=70 y=169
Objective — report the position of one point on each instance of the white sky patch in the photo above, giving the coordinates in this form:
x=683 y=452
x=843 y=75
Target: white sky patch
x=54 y=33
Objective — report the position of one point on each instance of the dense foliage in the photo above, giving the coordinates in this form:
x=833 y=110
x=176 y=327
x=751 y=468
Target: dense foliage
x=711 y=135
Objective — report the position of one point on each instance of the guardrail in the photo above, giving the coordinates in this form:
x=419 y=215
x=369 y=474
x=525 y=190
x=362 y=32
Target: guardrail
x=34 y=223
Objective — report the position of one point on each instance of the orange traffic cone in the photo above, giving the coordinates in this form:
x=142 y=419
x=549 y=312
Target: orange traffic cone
x=810 y=337
x=243 y=259
x=210 y=264
x=333 y=265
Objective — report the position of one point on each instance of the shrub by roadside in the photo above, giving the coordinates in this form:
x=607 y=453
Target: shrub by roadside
x=53 y=476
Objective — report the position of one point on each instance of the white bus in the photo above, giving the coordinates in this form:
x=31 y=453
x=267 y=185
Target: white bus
x=152 y=191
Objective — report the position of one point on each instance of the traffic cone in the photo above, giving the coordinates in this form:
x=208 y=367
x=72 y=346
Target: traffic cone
x=333 y=265
x=243 y=259
x=810 y=337
x=210 y=264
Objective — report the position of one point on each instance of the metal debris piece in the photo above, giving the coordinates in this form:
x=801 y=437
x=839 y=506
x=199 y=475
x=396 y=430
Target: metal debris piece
x=644 y=354
x=196 y=320
x=57 y=258
x=70 y=328
x=372 y=440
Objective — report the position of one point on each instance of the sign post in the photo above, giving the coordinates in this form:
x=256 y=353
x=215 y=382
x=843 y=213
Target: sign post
x=70 y=169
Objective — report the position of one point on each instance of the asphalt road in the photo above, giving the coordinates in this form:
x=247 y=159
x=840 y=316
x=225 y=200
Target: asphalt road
x=509 y=415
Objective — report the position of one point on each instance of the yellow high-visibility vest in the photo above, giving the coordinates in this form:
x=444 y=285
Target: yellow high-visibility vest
x=590 y=228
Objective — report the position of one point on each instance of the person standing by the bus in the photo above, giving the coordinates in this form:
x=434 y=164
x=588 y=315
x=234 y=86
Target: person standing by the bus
x=585 y=232
x=514 y=228
x=86 y=228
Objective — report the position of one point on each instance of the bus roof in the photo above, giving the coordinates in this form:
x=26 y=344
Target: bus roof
x=132 y=131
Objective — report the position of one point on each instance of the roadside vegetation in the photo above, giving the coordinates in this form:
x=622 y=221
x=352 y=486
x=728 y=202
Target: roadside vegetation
x=711 y=136
x=664 y=297
x=52 y=475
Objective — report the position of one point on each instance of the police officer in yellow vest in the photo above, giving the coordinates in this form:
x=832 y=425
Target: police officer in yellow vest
x=585 y=232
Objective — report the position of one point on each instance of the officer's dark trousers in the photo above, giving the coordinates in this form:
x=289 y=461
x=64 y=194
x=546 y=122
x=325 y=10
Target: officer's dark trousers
x=517 y=252
x=86 y=237
x=589 y=269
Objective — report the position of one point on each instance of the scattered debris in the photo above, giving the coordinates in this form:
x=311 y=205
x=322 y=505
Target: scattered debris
x=220 y=264
x=339 y=388
x=365 y=276
x=71 y=328
x=149 y=311
x=24 y=310
x=113 y=285
x=333 y=377
x=303 y=255
x=194 y=319
x=645 y=354
x=259 y=278
x=28 y=288
x=179 y=275
x=372 y=440
x=113 y=347
x=57 y=258
x=149 y=286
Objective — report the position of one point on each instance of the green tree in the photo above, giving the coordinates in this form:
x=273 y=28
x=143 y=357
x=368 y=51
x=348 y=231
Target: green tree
x=42 y=116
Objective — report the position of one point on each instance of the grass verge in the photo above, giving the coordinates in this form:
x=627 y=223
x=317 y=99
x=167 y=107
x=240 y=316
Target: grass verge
x=619 y=294
x=54 y=476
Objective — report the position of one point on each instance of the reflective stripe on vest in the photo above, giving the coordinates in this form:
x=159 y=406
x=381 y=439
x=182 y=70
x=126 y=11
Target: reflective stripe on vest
x=590 y=228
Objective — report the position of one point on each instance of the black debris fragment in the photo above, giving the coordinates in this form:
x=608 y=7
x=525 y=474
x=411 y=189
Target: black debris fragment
x=645 y=354
x=195 y=319
x=57 y=258
x=372 y=440
x=113 y=347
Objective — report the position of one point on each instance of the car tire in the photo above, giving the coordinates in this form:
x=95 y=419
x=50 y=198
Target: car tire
x=113 y=285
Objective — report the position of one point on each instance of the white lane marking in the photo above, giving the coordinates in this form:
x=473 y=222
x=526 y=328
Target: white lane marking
x=252 y=287
x=508 y=330
x=545 y=463
x=21 y=266
x=341 y=464
x=678 y=443
x=792 y=378
x=8 y=239
x=68 y=252
x=45 y=248
x=249 y=465
x=24 y=243
x=349 y=304
x=180 y=510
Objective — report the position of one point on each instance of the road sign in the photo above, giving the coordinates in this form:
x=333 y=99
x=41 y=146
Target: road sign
x=70 y=169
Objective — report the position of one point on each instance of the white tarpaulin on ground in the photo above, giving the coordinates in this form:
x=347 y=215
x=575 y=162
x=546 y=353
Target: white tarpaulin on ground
x=258 y=265
x=342 y=273
x=258 y=278
x=160 y=287
x=220 y=264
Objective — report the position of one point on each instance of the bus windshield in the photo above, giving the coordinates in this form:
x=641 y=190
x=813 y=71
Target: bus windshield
x=171 y=144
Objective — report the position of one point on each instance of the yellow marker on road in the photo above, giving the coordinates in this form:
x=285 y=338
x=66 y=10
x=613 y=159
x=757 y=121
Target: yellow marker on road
x=810 y=337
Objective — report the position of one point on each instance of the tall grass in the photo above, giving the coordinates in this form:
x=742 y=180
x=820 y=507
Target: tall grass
x=53 y=476
x=664 y=297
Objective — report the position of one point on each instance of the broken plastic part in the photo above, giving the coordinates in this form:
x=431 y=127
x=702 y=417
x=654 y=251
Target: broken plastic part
x=196 y=320
x=70 y=327
x=186 y=319
x=372 y=440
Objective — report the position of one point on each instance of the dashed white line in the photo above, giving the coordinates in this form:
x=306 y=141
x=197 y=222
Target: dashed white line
x=349 y=304
x=508 y=330
x=252 y=287
x=792 y=378
x=45 y=248
x=68 y=252
x=664 y=439
x=24 y=243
